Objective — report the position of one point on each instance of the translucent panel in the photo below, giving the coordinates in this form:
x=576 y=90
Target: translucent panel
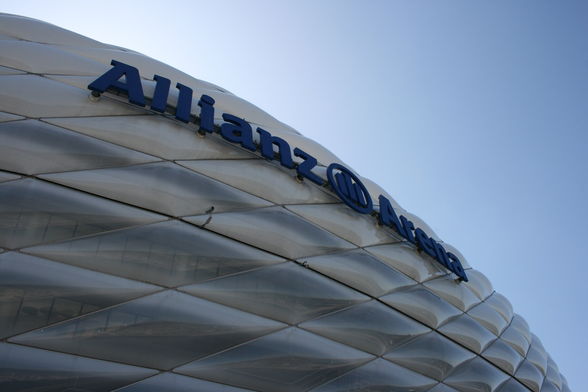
x=456 y=294
x=262 y=178
x=422 y=305
x=289 y=360
x=476 y=376
x=82 y=82
x=33 y=211
x=512 y=385
x=31 y=369
x=488 y=317
x=529 y=375
x=154 y=135
x=164 y=187
x=553 y=374
x=361 y=271
x=159 y=331
x=371 y=327
x=170 y=382
x=548 y=386
x=276 y=230
x=35 y=96
x=37 y=31
x=35 y=147
x=287 y=292
x=479 y=284
x=379 y=375
x=35 y=292
x=442 y=388
x=501 y=304
x=517 y=341
x=503 y=356
x=4 y=117
x=537 y=355
x=520 y=324
x=405 y=258
x=170 y=253
x=467 y=331
x=9 y=71
x=343 y=221
x=7 y=176
x=535 y=341
x=25 y=55
x=432 y=355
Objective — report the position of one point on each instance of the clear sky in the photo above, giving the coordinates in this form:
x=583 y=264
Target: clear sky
x=472 y=114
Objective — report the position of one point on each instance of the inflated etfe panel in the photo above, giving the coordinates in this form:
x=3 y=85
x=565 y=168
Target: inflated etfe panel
x=154 y=238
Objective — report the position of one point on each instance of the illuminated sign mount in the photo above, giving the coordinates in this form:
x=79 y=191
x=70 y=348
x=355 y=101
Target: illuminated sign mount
x=345 y=183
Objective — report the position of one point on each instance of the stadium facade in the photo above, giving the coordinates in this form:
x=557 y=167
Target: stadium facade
x=158 y=233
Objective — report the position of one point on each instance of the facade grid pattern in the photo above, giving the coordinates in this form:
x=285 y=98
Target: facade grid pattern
x=137 y=256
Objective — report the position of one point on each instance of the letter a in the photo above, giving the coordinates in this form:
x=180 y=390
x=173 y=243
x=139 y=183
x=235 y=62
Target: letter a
x=388 y=217
x=237 y=130
x=132 y=85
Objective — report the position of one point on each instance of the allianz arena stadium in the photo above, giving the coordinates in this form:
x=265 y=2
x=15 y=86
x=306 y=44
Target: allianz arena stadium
x=161 y=234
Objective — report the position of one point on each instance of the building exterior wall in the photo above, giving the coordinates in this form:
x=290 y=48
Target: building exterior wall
x=139 y=255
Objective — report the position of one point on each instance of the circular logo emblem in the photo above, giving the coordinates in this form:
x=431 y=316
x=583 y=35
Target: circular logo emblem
x=349 y=189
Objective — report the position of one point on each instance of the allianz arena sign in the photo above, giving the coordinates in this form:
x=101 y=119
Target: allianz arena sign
x=236 y=130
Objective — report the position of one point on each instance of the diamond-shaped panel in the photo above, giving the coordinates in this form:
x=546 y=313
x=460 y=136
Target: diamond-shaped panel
x=341 y=220
x=163 y=187
x=476 y=375
x=32 y=146
x=170 y=382
x=252 y=176
x=276 y=230
x=432 y=355
x=153 y=135
x=35 y=292
x=287 y=292
x=159 y=331
x=34 y=212
x=422 y=305
x=360 y=270
x=170 y=253
x=291 y=360
x=371 y=326
x=379 y=375
x=31 y=369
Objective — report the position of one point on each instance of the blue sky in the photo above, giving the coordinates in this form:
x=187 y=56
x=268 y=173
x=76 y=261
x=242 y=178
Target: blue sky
x=471 y=114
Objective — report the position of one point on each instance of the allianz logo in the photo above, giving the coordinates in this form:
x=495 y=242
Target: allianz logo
x=341 y=180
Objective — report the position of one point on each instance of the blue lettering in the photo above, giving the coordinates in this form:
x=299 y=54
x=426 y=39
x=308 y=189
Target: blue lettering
x=184 y=103
x=424 y=242
x=305 y=167
x=349 y=188
x=266 y=146
x=408 y=228
x=237 y=130
x=206 y=114
x=441 y=254
x=159 y=101
x=110 y=79
x=388 y=217
x=345 y=183
x=456 y=267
